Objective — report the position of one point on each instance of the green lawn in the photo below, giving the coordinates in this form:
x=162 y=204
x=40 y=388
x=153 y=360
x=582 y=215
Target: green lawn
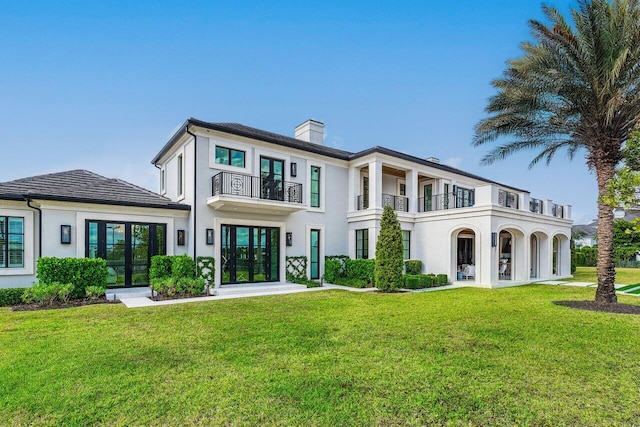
x=626 y=276
x=333 y=358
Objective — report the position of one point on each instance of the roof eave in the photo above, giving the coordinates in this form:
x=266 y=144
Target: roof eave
x=174 y=206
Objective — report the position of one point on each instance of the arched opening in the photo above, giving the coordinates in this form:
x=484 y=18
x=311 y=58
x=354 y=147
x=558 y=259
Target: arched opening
x=506 y=260
x=534 y=269
x=556 y=258
x=466 y=255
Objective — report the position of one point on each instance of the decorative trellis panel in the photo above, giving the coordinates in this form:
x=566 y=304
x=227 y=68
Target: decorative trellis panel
x=297 y=266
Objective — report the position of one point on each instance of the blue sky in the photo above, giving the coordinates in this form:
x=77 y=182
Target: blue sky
x=102 y=85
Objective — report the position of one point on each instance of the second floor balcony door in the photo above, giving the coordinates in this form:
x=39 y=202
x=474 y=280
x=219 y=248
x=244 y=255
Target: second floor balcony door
x=272 y=178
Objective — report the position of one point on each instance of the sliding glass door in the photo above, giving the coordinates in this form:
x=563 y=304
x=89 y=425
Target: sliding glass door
x=250 y=254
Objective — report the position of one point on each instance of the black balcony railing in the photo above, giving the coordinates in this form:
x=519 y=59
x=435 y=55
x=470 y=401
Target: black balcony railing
x=508 y=199
x=255 y=187
x=557 y=210
x=398 y=203
x=363 y=202
x=439 y=202
x=535 y=205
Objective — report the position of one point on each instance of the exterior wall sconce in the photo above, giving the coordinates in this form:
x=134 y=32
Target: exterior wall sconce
x=181 y=237
x=65 y=234
x=294 y=169
x=494 y=239
x=209 y=236
x=289 y=239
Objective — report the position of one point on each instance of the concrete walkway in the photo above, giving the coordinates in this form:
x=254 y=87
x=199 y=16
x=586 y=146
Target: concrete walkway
x=141 y=297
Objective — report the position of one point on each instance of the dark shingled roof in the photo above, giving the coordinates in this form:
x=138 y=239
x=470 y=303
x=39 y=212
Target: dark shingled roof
x=85 y=187
x=274 y=138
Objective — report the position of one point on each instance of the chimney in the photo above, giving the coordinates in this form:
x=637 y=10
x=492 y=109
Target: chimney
x=433 y=159
x=311 y=131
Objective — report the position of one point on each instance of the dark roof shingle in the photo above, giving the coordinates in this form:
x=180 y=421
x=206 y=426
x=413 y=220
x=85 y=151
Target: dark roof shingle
x=86 y=187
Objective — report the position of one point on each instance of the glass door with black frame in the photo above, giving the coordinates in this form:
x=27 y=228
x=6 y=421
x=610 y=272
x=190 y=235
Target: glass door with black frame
x=271 y=178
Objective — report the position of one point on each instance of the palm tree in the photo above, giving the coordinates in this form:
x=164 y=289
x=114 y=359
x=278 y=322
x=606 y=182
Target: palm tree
x=575 y=88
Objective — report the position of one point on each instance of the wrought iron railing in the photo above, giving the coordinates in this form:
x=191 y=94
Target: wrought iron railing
x=439 y=202
x=362 y=202
x=557 y=210
x=535 y=206
x=508 y=199
x=255 y=187
x=398 y=203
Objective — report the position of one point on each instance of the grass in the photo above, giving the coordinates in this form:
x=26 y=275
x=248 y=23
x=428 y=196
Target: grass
x=627 y=287
x=334 y=358
x=623 y=275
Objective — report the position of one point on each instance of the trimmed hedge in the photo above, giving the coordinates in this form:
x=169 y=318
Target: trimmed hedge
x=183 y=267
x=413 y=266
x=11 y=296
x=160 y=267
x=332 y=270
x=360 y=269
x=421 y=281
x=170 y=287
x=47 y=293
x=80 y=272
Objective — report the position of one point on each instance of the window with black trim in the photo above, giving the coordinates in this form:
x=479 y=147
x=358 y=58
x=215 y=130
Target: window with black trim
x=315 y=186
x=362 y=244
x=464 y=197
x=229 y=156
x=406 y=244
x=180 y=177
x=11 y=242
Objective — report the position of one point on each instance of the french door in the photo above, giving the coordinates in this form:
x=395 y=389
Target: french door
x=127 y=247
x=272 y=178
x=250 y=254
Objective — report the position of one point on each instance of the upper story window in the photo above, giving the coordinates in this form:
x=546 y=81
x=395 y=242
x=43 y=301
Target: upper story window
x=11 y=242
x=229 y=156
x=163 y=181
x=315 y=186
x=180 y=175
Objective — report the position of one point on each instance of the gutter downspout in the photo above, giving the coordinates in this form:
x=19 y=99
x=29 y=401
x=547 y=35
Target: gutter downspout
x=28 y=200
x=195 y=181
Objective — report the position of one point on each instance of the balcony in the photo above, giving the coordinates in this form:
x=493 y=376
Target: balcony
x=536 y=206
x=508 y=199
x=246 y=193
x=557 y=210
x=398 y=203
x=438 y=202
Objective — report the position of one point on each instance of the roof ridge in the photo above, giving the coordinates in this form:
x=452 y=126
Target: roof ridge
x=48 y=175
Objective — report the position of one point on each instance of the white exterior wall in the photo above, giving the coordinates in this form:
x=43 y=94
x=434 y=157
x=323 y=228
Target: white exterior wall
x=55 y=214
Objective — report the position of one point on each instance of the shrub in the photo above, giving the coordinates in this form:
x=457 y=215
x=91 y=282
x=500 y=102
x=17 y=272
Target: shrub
x=47 y=293
x=206 y=269
x=332 y=270
x=160 y=266
x=80 y=272
x=389 y=252
x=183 y=267
x=353 y=282
x=412 y=281
x=11 y=296
x=442 y=279
x=413 y=266
x=94 y=293
x=170 y=287
x=360 y=269
x=429 y=279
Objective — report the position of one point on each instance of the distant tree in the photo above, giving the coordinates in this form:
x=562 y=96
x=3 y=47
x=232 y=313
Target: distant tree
x=577 y=87
x=389 y=252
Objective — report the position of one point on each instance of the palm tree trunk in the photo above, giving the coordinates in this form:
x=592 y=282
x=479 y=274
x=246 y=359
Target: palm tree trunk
x=606 y=292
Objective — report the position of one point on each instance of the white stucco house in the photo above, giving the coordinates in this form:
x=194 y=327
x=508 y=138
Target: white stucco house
x=250 y=198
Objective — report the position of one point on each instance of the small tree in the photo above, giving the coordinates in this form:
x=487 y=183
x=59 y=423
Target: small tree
x=389 y=252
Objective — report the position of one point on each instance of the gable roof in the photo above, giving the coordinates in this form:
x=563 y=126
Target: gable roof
x=286 y=141
x=85 y=187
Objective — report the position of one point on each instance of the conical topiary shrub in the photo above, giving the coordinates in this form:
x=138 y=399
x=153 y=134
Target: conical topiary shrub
x=389 y=253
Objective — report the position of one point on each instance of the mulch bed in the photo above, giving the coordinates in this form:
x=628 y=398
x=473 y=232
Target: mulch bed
x=596 y=306
x=55 y=305
x=177 y=296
